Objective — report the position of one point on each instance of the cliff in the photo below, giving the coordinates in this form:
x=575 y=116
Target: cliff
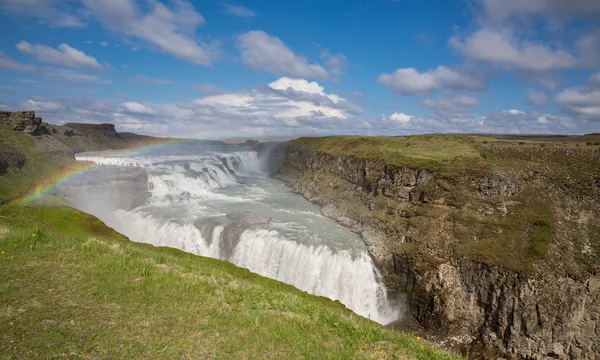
x=495 y=242
x=32 y=150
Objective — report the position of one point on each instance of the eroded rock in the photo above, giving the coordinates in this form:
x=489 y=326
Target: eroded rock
x=24 y=121
x=242 y=220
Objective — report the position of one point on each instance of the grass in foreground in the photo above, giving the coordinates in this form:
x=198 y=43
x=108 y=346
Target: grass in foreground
x=73 y=288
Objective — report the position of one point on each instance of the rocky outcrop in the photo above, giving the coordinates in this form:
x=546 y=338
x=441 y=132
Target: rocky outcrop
x=24 y=121
x=461 y=246
x=109 y=128
x=242 y=220
x=10 y=160
x=234 y=224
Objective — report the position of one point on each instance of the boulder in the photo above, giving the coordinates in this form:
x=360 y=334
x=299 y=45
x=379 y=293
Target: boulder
x=10 y=160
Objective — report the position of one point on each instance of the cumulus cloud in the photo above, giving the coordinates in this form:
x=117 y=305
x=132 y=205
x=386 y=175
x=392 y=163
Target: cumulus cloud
x=121 y=95
x=7 y=62
x=336 y=64
x=261 y=51
x=149 y=81
x=409 y=81
x=207 y=88
x=502 y=49
x=520 y=122
x=402 y=118
x=63 y=55
x=536 y=97
x=583 y=102
x=131 y=107
x=170 y=28
x=53 y=12
x=239 y=11
x=303 y=90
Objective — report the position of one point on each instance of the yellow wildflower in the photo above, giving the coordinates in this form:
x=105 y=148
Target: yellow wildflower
x=34 y=234
x=418 y=338
x=3 y=253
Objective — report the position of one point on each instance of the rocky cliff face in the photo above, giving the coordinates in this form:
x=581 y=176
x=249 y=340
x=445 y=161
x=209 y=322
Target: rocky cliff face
x=24 y=121
x=504 y=257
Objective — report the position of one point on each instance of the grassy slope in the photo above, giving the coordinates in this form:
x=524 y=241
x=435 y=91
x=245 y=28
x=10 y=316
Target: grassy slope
x=515 y=241
x=37 y=164
x=71 y=287
x=77 y=289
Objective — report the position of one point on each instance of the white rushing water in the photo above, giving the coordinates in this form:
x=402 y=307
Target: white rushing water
x=299 y=246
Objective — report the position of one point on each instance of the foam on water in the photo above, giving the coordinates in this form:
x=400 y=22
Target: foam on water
x=297 y=248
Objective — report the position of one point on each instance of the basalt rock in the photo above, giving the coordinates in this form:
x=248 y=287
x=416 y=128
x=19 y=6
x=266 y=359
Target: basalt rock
x=24 y=121
x=242 y=220
x=424 y=230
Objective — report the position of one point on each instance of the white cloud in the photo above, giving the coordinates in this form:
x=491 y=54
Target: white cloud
x=514 y=112
x=149 y=80
x=502 y=49
x=208 y=89
x=401 y=117
x=54 y=12
x=520 y=122
x=301 y=90
x=581 y=102
x=239 y=11
x=43 y=105
x=121 y=95
x=9 y=63
x=261 y=51
x=63 y=55
x=409 y=81
x=137 y=108
x=170 y=28
x=103 y=43
x=578 y=97
x=536 y=97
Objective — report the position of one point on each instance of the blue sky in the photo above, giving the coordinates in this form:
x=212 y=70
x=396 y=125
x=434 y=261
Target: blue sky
x=212 y=69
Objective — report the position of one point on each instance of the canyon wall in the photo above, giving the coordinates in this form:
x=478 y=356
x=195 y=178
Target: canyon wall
x=498 y=252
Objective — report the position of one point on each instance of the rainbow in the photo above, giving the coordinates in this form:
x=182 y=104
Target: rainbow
x=80 y=169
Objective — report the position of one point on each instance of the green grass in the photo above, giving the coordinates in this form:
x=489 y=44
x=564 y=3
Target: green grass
x=73 y=288
x=38 y=165
x=540 y=237
x=430 y=152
